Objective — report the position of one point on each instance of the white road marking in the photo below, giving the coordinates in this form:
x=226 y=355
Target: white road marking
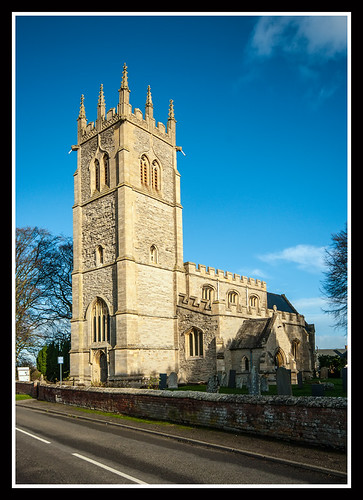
x=32 y=435
x=126 y=476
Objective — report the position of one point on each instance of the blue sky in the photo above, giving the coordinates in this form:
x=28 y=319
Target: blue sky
x=261 y=110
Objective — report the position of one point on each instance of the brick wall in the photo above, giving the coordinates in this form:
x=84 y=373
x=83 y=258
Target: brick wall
x=318 y=421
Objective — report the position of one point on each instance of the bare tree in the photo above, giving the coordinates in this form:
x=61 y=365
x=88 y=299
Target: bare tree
x=334 y=286
x=42 y=287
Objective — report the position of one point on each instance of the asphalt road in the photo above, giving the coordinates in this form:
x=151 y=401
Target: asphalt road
x=53 y=449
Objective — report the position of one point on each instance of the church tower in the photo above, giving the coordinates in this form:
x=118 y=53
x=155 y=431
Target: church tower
x=128 y=249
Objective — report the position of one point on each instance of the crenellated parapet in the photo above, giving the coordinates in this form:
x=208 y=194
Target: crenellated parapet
x=123 y=111
x=225 y=276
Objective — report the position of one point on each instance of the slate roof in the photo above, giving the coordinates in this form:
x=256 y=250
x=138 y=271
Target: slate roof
x=280 y=301
x=252 y=333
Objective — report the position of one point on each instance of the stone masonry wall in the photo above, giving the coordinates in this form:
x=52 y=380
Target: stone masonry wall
x=318 y=421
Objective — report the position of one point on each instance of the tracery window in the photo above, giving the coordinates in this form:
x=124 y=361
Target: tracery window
x=194 y=341
x=207 y=293
x=253 y=301
x=232 y=298
x=100 y=321
x=144 y=170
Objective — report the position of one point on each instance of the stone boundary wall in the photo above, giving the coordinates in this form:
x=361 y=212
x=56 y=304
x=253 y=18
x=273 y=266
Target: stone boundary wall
x=318 y=421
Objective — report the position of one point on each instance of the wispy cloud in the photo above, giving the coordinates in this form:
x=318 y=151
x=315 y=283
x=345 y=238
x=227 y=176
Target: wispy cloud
x=307 y=257
x=318 y=37
x=307 y=42
x=253 y=273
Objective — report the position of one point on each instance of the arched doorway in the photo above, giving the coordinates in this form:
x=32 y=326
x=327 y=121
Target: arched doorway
x=279 y=358
x=99 y=368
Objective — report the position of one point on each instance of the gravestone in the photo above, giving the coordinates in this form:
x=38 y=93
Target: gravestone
x=317 y=389
x=254 y=383
x=172 y=381
x=162 y=380
x=224 y=380
x=213 y=384
x=299 y=380
x=324 y=371
x=283 y=381
x=264 y=383
x=232 y=379
x=345 y=378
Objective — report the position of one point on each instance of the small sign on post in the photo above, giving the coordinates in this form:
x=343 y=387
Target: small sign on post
x=60 y=362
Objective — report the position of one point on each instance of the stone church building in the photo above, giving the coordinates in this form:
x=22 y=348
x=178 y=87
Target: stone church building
x=138 y=308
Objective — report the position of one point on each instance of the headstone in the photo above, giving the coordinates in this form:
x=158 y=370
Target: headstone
x=264 y=383
x=162 y=380
x=345 y=378
x=213 y=384
x=224 y=379
x=324 y=371
x=172 y=381
x=283 y=381
x=300 y=380
x=239 y=381
x=317 y=389
x=254 y=384
x=232 y=379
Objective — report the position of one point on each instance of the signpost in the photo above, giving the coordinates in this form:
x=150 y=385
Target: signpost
x=60 y=362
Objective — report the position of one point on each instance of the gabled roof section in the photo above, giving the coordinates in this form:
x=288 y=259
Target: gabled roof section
x=252 y=333
x=281 y=302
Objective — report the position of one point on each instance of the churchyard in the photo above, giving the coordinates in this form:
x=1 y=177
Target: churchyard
x=333 y=387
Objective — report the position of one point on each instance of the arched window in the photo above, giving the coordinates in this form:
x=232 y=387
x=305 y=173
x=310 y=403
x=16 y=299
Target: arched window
x=207 y=293
x=155 y=175
x=294 y=347
x=232 y=298
x=194 y=343
x=97 y=175
x=100 y=321
x=253 y=301
x=99 y=255
x=144 y=170
x=245 y=366
x=106 y=169
x=153 y=254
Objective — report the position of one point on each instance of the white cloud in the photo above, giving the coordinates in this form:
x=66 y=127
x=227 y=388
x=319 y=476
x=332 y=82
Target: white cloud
x=318 y=37
x=253 y=273
x=307 y=257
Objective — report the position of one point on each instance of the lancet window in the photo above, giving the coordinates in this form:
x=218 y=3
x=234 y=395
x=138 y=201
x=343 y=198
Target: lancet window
x=155 y=175
x=97 y=175
x=106 y=169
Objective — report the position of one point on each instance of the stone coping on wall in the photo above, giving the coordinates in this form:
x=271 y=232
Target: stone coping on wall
x=308 y=401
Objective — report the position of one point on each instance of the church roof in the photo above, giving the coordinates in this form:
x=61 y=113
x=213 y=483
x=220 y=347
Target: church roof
x=280 y=301
x=252 y=333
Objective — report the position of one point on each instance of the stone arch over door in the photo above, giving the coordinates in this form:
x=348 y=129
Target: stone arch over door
x=279 y=358
x=99 y=367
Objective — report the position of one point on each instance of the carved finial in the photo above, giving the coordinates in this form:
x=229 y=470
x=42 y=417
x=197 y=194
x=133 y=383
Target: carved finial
x=171 y=110
x=148 y=97
x=101 y=97
x=124 y=82
x=82 y=111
